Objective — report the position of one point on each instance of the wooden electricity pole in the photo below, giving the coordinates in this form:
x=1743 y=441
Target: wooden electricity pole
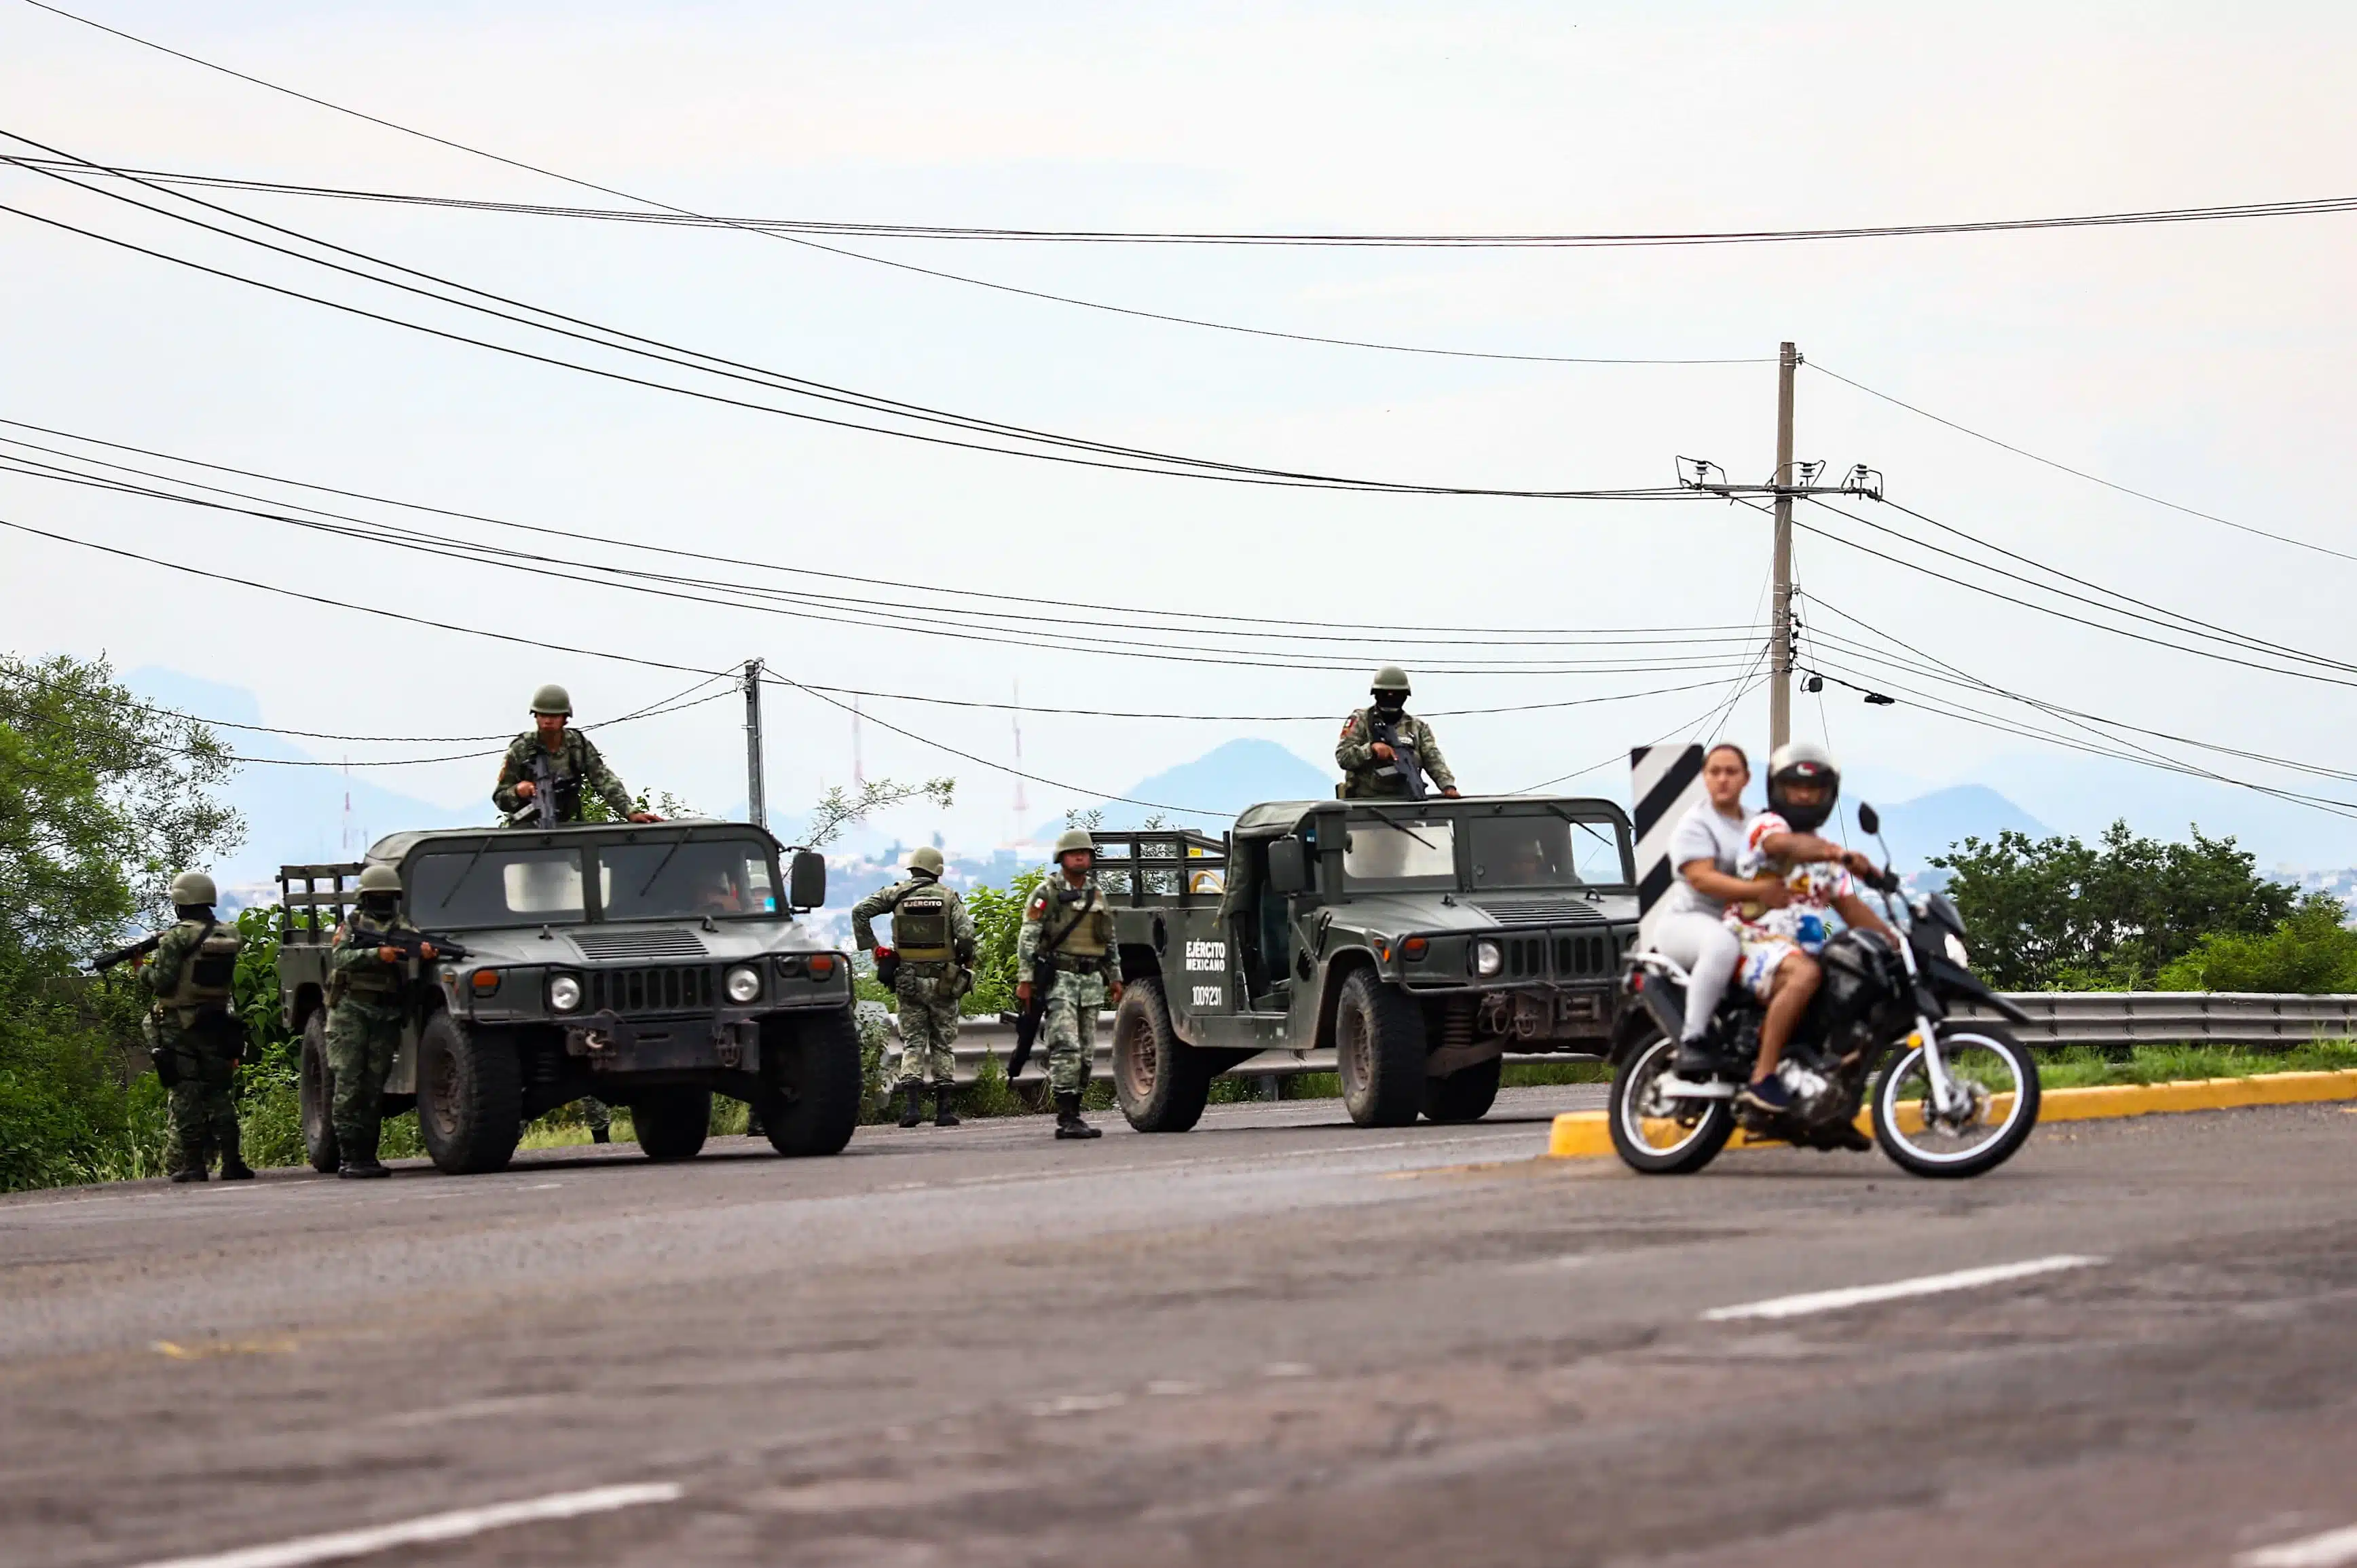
x=1780 y=627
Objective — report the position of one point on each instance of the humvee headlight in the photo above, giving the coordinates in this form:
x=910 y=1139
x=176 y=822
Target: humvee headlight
x=1487 y=959
x=744 y=985
x=564 y=993
x=1956 y=953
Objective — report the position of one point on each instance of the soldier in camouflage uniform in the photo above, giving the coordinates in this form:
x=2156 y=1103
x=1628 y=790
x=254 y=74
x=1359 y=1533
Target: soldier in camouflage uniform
x=1367 y=763
x=1067 y=920
x=573 y=758
x=370 y=994
x=932 y=942
x=194 y=1035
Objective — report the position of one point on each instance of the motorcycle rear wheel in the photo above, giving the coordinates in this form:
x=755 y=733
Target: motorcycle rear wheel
x=1649 y=1139
x=1991 y=1065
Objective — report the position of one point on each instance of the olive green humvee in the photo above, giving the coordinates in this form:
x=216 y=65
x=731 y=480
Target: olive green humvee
x=649 y=964
x=1417 y=940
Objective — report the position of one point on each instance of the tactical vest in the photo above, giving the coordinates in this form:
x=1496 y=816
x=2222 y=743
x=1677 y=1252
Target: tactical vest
x=208 y=975
x=360 y=929
x=924 y=924
x=1090 y=920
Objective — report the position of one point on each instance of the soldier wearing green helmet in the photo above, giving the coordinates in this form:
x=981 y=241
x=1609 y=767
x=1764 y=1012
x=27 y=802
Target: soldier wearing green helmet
x=1384 y=751
x=927 y=968
x=194 y=1033
x=370 y=992
x=573 y=765
x=1069 y=924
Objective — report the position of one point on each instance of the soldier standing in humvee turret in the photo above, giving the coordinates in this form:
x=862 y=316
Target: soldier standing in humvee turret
x=932 y=943
x=574 y=764
x=1372 y=765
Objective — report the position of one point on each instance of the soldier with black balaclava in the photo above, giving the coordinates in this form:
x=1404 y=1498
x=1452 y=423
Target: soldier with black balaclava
x=1385 y=750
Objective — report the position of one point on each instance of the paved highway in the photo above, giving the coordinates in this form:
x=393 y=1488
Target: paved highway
x=1279 y=1339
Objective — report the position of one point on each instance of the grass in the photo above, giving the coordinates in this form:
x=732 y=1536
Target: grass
x=2085 y=1067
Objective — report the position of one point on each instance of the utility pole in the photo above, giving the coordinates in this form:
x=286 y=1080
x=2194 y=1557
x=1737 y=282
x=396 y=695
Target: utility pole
x=757 y=809
x=1779 y=619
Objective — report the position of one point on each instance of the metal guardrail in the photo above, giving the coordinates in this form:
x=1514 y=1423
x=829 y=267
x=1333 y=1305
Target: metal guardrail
x=2108 y=1019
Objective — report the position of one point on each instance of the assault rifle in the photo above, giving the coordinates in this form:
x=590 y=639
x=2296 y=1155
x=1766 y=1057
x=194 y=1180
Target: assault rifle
x=139 y=948
x=555 y=798
x=1404 y=761
x=407 y=940
x=1027 y=1023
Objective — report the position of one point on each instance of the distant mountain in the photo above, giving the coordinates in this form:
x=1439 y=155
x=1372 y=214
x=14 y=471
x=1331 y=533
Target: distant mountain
x=1934 y=823
x=1226 y=778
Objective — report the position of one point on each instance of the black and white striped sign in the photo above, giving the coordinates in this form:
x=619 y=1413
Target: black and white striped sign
x=1665 y=783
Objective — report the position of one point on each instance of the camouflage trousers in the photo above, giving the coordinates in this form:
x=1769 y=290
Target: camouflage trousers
x=363 y=1035
x=204 y=1118
x=929 y=1023
x=1068 y=1027
x=596 y=1114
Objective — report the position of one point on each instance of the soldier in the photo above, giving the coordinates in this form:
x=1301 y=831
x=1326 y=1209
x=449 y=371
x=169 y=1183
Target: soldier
x=932 y=942
x=574 y=764
x=194 y=1035
x=369 y=997
x=1370 y=766
x=1068 y=922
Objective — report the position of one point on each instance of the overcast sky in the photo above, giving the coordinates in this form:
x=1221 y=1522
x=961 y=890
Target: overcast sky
x=2208 y=364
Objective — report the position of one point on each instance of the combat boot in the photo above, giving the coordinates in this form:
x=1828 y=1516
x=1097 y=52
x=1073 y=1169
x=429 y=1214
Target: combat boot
x=942 y=1115
x=1068 y=1119
x=912 y=1108
x=235 y=1169
x=195 y=1173
x=601 y=1136
x=360 y=1160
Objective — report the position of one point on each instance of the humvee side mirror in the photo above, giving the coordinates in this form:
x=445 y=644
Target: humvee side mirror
x=1289 y=867
x=1869 y=821
x=806 y=880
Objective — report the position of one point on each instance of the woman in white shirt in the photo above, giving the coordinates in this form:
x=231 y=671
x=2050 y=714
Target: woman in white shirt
x=1693 y=932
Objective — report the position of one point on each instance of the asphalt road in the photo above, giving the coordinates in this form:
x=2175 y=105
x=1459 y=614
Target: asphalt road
x=1279 y=1339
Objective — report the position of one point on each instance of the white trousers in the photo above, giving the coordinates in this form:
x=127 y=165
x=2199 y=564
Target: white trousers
x=1707 y=950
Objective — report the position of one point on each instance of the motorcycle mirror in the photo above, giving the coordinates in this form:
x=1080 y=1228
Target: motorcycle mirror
x=1869 y=821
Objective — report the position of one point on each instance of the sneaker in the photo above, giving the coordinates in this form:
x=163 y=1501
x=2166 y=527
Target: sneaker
x=1768 y=1094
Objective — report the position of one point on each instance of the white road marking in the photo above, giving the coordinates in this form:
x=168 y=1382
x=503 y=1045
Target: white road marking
x=1929 y=1284
x=1167 y=1387
x=1289 y=1369
x=2329 y=1550
x=452 y=1525
x=541 y=1187
x=1076 y=1404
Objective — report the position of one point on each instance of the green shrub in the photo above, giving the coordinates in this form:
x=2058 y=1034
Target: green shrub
x=2313 y=952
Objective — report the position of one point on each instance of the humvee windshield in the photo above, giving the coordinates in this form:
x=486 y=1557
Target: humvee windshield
x=1412 y=851
x=1549 y=851
x=485 y=885
x=706 y=877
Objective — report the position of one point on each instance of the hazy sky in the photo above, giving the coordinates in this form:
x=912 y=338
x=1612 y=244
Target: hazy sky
x=2207 y=364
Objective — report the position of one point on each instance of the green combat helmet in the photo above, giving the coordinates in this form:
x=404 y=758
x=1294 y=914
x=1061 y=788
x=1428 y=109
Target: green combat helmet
x=1391 y=677
x=194 y=888
x=380 y=879
x=1074 y=838
x=927 y=859
x=552 y=699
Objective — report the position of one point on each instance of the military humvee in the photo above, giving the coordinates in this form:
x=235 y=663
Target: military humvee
x=1418 y=940
x=652 y=965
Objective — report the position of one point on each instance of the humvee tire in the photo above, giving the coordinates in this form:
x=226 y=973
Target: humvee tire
x=1162 y=1082
x=812 y=1105
x=1464 y=1095
x=315 y=1093
x=1378 y=1049
x=671 y=1120
x=470 y=1098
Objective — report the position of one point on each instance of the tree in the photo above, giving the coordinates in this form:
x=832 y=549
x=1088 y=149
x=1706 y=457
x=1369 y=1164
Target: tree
x=2045 y=912
x=839 y=808
x=2312 y=953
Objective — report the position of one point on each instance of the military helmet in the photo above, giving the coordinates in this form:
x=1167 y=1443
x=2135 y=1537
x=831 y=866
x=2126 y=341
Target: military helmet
x=380 y=879
x=552 y=699
x=1074 y=838
x=1391 y=677
x=191 y=888
x=927 y=859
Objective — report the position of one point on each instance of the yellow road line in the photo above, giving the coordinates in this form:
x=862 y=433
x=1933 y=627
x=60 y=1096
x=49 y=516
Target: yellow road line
x=1586 y=1134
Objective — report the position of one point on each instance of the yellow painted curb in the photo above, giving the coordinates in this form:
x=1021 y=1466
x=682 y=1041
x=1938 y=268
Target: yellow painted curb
x=1586 y=1134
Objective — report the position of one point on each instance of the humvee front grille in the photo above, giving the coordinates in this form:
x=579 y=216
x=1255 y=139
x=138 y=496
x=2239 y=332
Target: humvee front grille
x=665 y=990
x=1572 y=956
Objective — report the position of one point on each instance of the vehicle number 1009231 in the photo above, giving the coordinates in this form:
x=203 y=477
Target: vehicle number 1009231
x=1207 y=997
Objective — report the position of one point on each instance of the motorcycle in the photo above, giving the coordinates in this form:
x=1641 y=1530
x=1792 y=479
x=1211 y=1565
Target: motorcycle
x=1950 y=1097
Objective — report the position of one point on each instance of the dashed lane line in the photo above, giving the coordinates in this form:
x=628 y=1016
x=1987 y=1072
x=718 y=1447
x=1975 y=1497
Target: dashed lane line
x=1926 y=1285
x=2331 y=1550
x=456 y=1525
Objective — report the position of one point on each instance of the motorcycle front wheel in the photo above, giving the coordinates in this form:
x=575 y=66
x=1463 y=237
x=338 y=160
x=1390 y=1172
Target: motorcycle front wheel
x=1657 y=1135
x=1993 y=1117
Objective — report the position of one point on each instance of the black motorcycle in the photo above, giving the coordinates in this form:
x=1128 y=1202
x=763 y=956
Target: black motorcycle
x=1950 y=1097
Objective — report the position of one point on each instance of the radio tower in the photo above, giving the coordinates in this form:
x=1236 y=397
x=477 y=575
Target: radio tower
x=858 y=773
x=345 y=843
x=1022 y=808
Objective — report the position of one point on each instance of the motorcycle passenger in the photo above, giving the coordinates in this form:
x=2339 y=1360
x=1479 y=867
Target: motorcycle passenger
x=1779 y=965
x=1693 y=932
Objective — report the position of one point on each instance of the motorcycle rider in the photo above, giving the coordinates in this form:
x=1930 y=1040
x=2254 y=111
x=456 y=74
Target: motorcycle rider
x=1779 y=964
x=1694 y=932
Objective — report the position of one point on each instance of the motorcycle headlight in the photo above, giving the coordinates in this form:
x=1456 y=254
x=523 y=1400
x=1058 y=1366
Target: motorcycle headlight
x=564 y=993
x=1956 y=953
x=1487 y=959
x=744 y=985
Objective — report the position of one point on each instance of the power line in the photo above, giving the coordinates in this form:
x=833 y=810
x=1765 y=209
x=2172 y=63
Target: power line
x=2082 y=473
